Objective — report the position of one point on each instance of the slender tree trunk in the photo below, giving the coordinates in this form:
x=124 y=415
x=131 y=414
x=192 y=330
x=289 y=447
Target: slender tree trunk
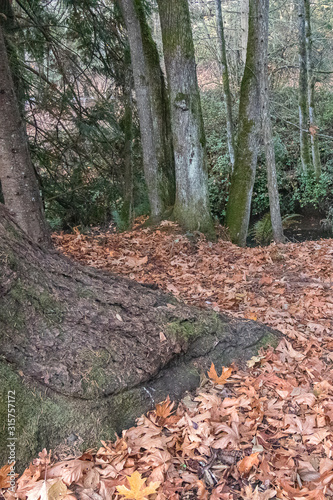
x=192 y=208
x=127 y=208
x=244 y=27
x=242 y=181
x=311 y=92
x=225 y=79
x=150 y=92
x=84 y=351
x=303 y=92
x=18 y=177
x=274 y=200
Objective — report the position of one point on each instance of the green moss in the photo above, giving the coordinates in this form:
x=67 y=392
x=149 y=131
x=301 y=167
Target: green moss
x=94 y=380
x=85 y=293
x=190 y=330
x=10 y=228
x=268 y=340
x=43 y=302
x=176 y=28
x=40 y=421
x=193 y=218
x=9 y=260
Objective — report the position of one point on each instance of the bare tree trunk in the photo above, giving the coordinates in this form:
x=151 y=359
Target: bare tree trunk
x=84 y=351
x=148 y=82
x=244 y=27
x=18 y=177
x=225 y=80
x=127 y=213
x=274 y=200
x=192 y=208
x=303 y=92
x=242 y=181
x=311 y=92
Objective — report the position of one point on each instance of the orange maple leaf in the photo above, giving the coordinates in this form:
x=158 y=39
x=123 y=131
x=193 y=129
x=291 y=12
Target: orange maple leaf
x=4 y=478
x=220 y=380
x=165 y=408
x=246 y=464
x=136 y=491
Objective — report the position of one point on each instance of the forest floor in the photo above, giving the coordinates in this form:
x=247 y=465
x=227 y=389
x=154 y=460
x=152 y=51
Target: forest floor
x=262 y=433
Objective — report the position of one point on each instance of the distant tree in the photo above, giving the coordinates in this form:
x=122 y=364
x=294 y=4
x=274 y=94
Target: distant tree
x=18 y=178
x=242 y=181
x=152 y=107
x=273 y=192
x=192 y=208
x=303 y=88
x=127 y=212
x=244 y=4
x=225 y=80
x=311 y=81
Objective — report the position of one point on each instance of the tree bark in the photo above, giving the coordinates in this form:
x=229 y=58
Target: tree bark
x=303 y=92
x=311 y=92
x=244 y=27
x=242 y=181
x=18 y=177
x=152 y=108
x=127 y=213
x=192 y=208
x=84 y=351
x=160 y=110
x=273 y=192
x=225 y=80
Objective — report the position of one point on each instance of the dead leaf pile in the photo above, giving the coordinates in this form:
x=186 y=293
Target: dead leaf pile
x=289 y=287
x=258 y=434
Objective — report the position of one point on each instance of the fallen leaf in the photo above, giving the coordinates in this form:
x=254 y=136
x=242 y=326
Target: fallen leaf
x=222 y=379
x=137 y=491
x=246 y=464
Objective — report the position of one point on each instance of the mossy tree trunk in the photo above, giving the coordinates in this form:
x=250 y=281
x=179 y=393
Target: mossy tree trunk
x=18 y=177
x=152 y=107
x=242 y=181
x=192 y=208
x=225 y=81
x=273 y=192
x=303 y=87
x=84 y=351
x=311 y=92
x=160 y=110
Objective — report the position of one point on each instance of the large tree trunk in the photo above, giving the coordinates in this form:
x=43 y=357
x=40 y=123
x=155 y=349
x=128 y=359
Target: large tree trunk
x=311 y=91
x=225 y=80
x=242 y=181
x=87 y=352
x=160 y=110
x=273 y=192
x=192 y=208
x=303 y=91
x=18 y=177
x=152 y=108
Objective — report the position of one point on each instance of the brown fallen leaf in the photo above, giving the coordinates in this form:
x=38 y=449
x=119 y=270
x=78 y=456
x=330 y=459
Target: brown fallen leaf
x=222 y=379
x=246 y=464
